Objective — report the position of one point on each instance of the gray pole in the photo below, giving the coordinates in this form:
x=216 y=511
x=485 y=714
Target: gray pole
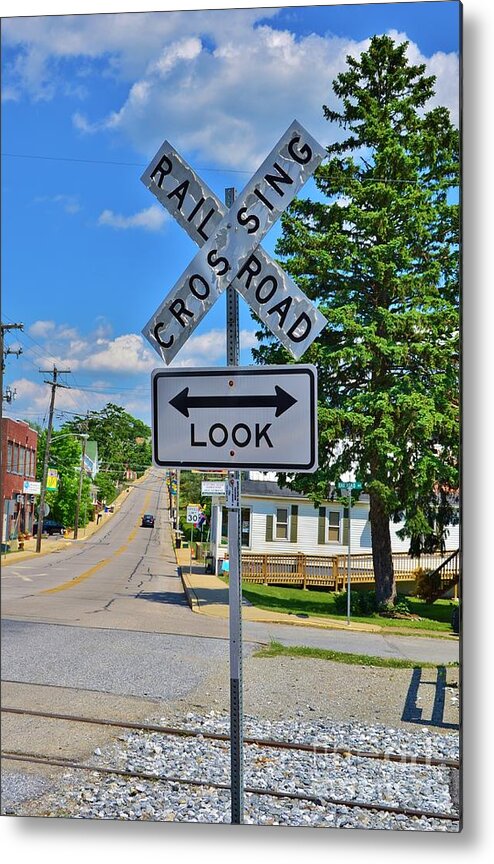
x=349 y=556
x=41 y=513
x=79 y=491
x=235 y=581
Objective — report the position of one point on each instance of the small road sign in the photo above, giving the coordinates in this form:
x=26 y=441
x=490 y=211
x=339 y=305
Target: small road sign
x=354 y=484
x=193 y=514
x=31 y=487
x=236 y=418
x=213 y=487
x=227 y=255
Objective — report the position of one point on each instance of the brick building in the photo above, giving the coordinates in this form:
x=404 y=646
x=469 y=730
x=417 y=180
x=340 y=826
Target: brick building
x=18 y=465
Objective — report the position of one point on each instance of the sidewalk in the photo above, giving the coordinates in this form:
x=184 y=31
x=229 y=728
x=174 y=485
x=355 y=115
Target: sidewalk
x=208 y=595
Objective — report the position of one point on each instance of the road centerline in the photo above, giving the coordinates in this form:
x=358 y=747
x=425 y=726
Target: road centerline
x=64 y=586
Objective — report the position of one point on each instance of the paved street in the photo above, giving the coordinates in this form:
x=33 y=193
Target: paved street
x=102 y=627
x=125 y=578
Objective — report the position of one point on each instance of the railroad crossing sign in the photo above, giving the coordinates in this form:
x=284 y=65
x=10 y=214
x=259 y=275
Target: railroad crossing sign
x=230 y=252
x=236 y=418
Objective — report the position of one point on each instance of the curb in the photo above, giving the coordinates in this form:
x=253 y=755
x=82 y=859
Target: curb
x=190 y=594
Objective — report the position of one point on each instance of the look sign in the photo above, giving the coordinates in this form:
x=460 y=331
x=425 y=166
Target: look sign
x=230 y=239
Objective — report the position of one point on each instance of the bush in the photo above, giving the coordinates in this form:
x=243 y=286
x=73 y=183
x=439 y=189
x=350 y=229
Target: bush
x=361 y=603
x=402 y=606
x=364 y=603
x=427 y=584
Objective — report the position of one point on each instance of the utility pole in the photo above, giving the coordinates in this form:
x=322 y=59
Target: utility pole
x=78 y=504
x=54 y=383
x=6 y=328
x=84 y=436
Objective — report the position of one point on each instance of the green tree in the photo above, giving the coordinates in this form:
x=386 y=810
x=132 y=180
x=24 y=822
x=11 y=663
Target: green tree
x=124 y=442
x=65 y=457
x=379 y=254
x=107 y=489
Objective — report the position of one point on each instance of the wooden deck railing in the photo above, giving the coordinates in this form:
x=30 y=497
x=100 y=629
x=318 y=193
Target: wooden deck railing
x=330 y=571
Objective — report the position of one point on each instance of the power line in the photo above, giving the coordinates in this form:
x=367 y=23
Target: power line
x=108 y=162
x=201 y=168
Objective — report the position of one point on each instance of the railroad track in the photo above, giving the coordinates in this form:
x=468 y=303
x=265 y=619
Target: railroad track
x=249 y=742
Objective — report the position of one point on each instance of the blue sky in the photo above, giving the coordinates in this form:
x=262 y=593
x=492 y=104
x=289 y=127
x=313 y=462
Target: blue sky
x=87 y=252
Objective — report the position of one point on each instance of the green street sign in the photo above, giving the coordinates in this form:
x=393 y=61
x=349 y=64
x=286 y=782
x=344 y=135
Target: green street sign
x=351 y=485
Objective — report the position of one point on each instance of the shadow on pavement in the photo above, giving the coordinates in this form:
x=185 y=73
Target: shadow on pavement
x=413 y=713
x=172 y=598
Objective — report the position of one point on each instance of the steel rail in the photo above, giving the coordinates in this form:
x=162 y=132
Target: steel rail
x=251 y=790
x=319 y=749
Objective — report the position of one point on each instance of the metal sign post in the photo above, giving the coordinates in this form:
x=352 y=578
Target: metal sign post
x=192 y=519
x=349 y=568
x=234 y=579
x=187 y=430
x=349 y=486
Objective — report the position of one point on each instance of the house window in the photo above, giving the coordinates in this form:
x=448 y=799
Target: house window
x=22 y=460
x=244 y=526
x=281 y=527
x=334 y=526
x=15 y=463
x=9 y=455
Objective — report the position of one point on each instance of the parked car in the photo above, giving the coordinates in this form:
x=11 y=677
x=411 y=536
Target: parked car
x=50 y=526
x=147 y=521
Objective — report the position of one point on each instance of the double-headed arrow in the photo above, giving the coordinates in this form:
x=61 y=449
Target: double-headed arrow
x=281 y=401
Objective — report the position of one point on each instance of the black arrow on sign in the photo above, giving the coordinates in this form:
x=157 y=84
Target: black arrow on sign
x=282 y=401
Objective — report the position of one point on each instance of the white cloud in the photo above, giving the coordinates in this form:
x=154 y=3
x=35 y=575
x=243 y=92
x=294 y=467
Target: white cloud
x=217 y=86
x=125 y=354
x=33 y=397
x=105 y=369
x=69 y=203
x=42 y=329
x=205 y=349
x=151 y=219
x=51 y=330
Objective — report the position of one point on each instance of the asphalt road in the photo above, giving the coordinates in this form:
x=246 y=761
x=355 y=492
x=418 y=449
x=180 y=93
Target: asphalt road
x=102 y=628
x=124 y=581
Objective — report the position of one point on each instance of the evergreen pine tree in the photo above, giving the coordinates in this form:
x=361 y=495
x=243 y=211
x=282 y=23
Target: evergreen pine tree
x=380 y=257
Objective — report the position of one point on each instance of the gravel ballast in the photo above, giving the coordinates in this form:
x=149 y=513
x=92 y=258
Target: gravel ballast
x=297 y=700
x=327 y=776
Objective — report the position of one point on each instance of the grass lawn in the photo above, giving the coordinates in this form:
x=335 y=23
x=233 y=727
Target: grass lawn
x=434 y=616
x=276 y=649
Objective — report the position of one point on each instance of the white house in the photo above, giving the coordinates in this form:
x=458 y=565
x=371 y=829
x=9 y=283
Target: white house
x=277 y=519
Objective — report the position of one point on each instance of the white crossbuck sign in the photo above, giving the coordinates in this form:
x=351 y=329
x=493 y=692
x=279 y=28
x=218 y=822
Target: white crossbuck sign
x=230 y=251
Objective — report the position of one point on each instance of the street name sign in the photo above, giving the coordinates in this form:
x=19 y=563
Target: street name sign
x=229 y=241
x=353 y=484
x=236 y=418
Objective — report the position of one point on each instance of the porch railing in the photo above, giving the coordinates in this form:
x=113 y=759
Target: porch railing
x=330 y=571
